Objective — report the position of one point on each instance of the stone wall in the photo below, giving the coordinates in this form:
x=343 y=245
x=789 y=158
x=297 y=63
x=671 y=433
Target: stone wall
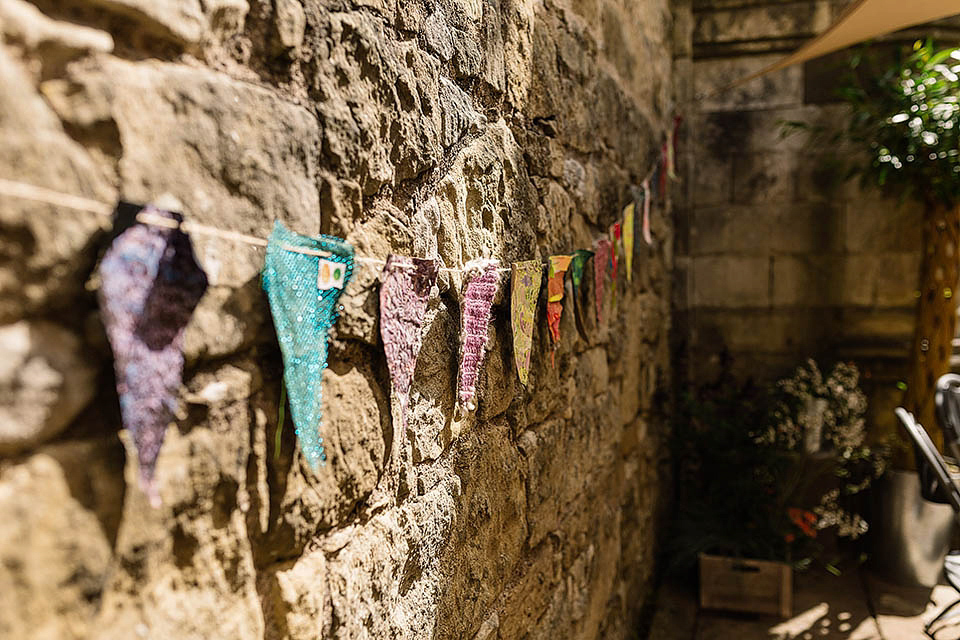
x=510 y=129
x=779 y=257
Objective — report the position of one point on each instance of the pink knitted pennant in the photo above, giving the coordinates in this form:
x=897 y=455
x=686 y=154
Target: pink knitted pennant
x=477 y=300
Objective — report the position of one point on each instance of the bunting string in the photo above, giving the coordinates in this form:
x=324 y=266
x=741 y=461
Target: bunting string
x=151 y=283
x=32 y=192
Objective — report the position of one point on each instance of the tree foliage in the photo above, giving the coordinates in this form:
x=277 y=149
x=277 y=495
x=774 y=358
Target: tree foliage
x=908 y=119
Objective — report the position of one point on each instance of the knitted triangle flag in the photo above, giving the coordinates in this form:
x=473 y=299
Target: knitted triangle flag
x=304 y=277
x=614 y=253
x=557 y=268
x=647 y=194
x=525 y=290
x=577 y=266
x=150 y=285
x=601 y=261
x=477 y=300
x=404 y=289
x=628 y=238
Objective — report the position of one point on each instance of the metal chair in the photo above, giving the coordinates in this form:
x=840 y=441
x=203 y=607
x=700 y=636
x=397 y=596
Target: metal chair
x=936 y=485
x=947 y=401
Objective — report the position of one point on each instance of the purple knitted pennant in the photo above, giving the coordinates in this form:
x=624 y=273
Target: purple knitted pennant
x=150 y=285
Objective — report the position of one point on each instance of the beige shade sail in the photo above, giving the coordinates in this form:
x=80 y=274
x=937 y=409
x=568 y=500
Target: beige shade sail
x=862 y=20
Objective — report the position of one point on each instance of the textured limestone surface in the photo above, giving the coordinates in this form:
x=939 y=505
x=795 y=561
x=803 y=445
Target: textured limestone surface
x=455 y=129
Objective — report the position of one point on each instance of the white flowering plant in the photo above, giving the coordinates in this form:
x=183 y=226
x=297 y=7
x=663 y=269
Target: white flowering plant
x=816 y=415
x=801 y=454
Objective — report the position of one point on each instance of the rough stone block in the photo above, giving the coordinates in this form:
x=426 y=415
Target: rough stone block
x=182 y=20
x=46 y=379
x=763 y=178
x=756 y=228
x=881 y=279
x=46 y=253
x=807 y=280
x=712 y=180
x=778 y=20
x=874 y=225
x=730 y=281
x=54 y=556
x=714 y=77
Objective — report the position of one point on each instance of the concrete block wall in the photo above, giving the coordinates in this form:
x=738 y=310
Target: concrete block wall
x=779 y=257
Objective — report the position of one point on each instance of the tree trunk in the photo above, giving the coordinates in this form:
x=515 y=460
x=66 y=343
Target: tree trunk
x=936 y=314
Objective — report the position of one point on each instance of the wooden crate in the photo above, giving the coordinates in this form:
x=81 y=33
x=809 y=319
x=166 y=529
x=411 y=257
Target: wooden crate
x=751 y=586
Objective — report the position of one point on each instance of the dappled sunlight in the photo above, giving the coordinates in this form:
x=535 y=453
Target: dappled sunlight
x=824 y=621
x=902 y=612
x=855 y=605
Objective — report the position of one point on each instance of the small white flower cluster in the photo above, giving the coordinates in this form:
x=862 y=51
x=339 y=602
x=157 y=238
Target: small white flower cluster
x=811 y=413
x=843 y=407
x=831 y=514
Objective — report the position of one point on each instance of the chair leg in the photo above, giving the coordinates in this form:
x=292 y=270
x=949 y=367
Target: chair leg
x=926 y=629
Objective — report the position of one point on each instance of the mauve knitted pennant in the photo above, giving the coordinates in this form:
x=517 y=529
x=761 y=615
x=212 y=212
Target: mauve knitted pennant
x=477 y=300
x=404 y=290
x=614 y=255
x=628 y=212
x=577 y=267
x=150 y=285
x=647 y=195
x=557 y=268
x=601 y=260
x=524 y=292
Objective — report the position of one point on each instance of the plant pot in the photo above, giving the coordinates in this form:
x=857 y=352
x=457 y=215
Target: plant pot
x=910 y=535
x=749 y=586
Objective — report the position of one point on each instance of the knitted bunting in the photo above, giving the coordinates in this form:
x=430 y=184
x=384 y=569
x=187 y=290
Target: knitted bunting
x=150 y=285
x=628 y=238
x=577 y=266
x=477 y=300
x=614 y=255
x=525 y=289
x=303 y=290
x=405 y=286
x=557 y=267
x=601 y=260
x=647 y=195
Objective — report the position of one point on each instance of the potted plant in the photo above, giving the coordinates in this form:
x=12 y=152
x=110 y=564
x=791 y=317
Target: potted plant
x=762 y=472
